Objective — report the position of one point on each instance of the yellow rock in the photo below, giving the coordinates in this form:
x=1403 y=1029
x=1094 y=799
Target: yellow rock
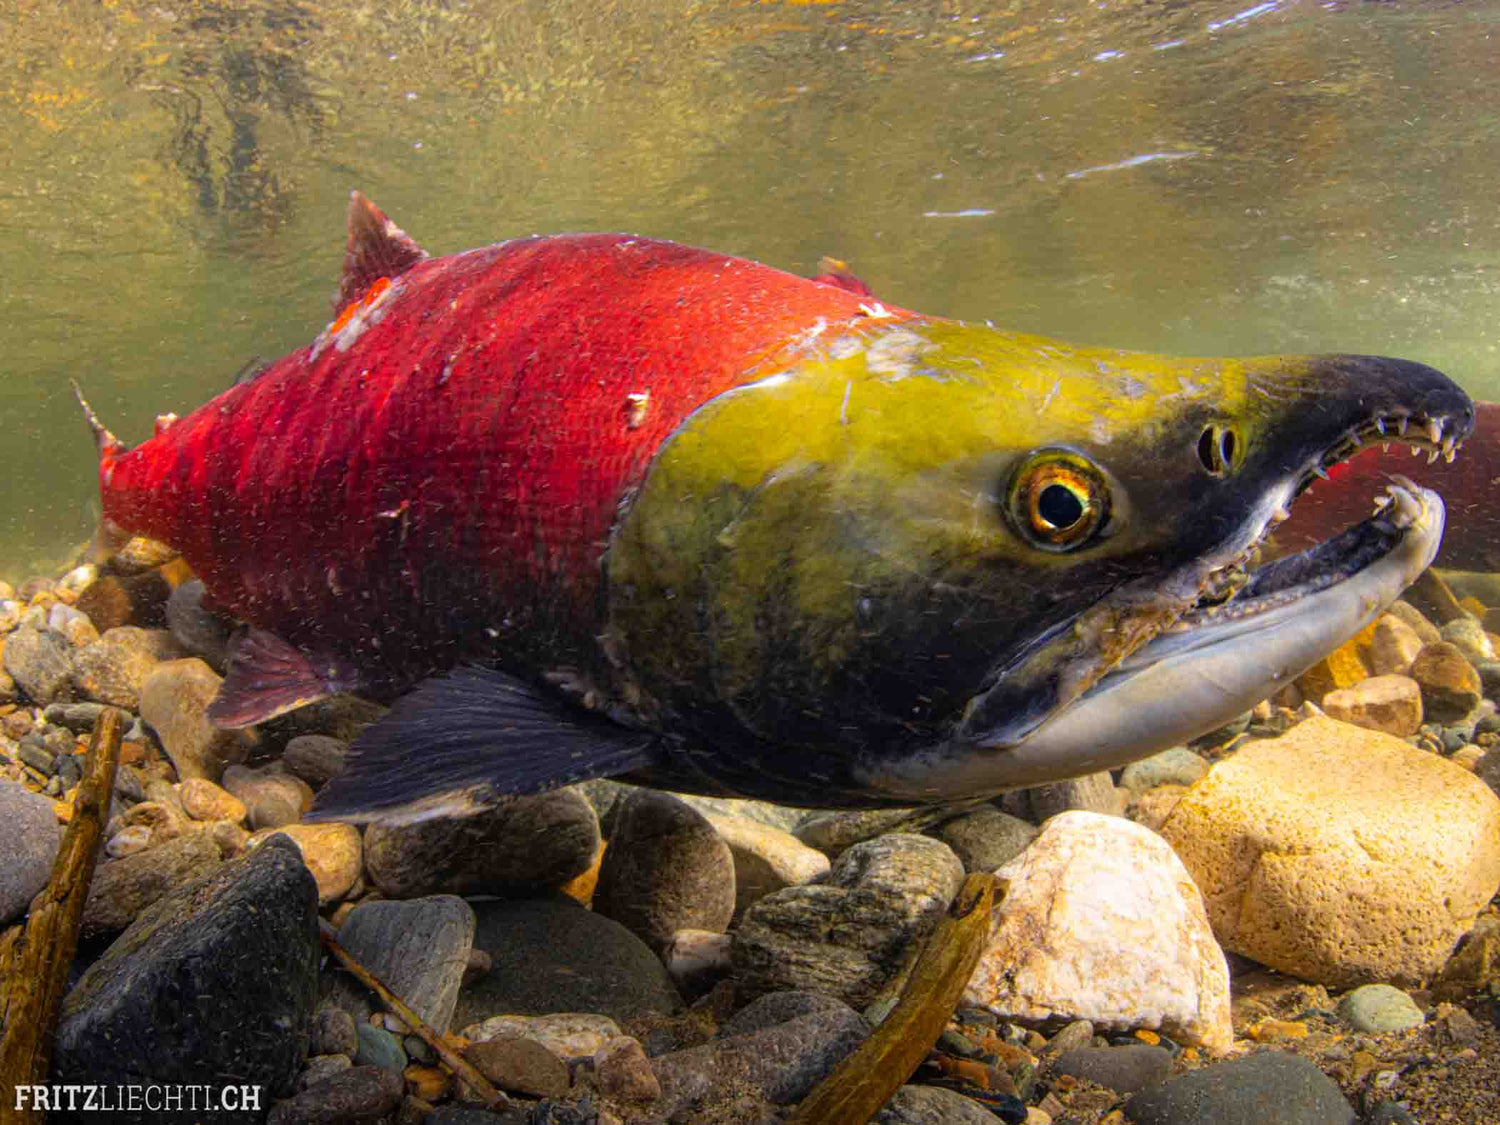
x=1344 y=667
x=581 y=887
x=1340 y=855
x=1274 y=1030
x=426 y=1082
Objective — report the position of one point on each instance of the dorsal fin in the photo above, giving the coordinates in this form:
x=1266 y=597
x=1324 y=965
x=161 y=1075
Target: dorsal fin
x=833 y=272
x=377 y=248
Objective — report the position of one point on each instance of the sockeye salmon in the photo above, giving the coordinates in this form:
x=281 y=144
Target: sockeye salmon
x=599 y=505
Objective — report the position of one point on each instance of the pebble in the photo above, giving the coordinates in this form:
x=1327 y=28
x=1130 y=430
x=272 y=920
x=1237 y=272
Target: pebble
x=30 y=839
x=530 y=845
x=1276 y=835
x=1468 y=635
x=569 y=1035
x=520 y=1066
x=1271 y=1086
x=1177 y=766
x=1094 y=793
x=1450 y=686
x=37 y=658
x=123 y=888
x=1393 y=646
x=833 y=832
x=351 y=1096
x=315 y=758
x=233 y=956
x=332 y=1032
x=418 y=949
x=273 y=797
x=698 y=959
x=1379 y=1007
x=932 y=1105
x=1124 y=1069
x=128 y=841
x=203 y=800
x=378 y=1047
x=1392 y=704
x=1475 y=966
x=174 y=702
x=849 y=936
x=766 y=859
x=116 y=666
x=622 y=1070
x=985 y=838
x=1102 y=921
x=333 y=852
x=552 y=955
x=666 y=870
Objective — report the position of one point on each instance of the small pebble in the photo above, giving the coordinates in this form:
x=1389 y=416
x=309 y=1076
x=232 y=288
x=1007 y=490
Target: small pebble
x=378 y=1047
x=1379 y=1007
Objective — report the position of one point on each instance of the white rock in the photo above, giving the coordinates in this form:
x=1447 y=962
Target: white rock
x=1102 y=922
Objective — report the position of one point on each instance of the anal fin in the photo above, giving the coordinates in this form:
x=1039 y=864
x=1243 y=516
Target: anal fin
x=462 y=741
x=269 y=677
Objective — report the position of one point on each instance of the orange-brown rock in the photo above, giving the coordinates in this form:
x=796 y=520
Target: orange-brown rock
x=1344 y=667
x=1392 y=704
x=1450 y=686
x=1393 y=646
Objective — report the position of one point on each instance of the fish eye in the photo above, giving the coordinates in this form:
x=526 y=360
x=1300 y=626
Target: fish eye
x=1218 y=449
x=1059 y=500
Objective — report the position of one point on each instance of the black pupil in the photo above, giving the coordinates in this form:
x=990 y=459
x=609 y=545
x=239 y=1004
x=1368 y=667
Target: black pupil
x=1059 y=506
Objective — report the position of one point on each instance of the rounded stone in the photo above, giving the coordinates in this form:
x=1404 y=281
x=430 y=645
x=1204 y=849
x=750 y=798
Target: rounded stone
x=378 y=1047
x=1450 y=686
x=1393 y=646
x=122 y=888
x=273 y=797
x=333 y=852
x=203 y=800
x=666 y=869
x=1340 y=855
x=315 y=758
x=174 y=703
x=766 y=859
x=1177 y=766
x=1392 y=704
x=521 y=1066
x=985 y=838
x=332 y=1032
x=1124 y=1069
x=932 y=1105
x=30 y=838
x=1379 y=1007
x=530 y=845
x=1265 y=1087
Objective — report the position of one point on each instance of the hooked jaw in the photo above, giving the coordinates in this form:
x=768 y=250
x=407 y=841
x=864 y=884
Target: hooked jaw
x=1221 y=637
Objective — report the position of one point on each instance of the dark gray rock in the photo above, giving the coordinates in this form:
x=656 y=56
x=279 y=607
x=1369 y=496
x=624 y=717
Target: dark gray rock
x=315 y=758
x=332 y=1032
x=350 y=1097
x=1094 y=793
x=124 y=887
x=273 y=797
x=29 y=841
x=985 y=838
x=1269 y=1086
x=552 y=955
x=418 y=949
x=528 y=846
x=782 y=1063
x=320 y=1067
x=666 y=870
x=39 y=661
x=855 y=934
x=201 y=632
x=1391 y=1113
x=777 y=1008
x=76 y=717
x=212 y=985
x=1124 y=1069
x=932 y=1105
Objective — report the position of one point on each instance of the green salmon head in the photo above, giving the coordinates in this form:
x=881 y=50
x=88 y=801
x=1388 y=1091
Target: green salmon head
x=880 y=572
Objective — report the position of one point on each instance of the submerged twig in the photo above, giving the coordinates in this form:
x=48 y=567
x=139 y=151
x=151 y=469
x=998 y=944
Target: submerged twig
x=35 y=958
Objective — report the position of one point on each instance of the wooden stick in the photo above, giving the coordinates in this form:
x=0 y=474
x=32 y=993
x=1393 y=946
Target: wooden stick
x=460 y=1066
x=861 y=1084
x=34 y=960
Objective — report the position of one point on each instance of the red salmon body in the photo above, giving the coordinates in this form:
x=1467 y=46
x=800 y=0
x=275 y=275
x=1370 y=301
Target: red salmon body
x=446 y=460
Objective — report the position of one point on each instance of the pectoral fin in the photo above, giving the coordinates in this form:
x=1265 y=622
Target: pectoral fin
x=464 y=740
x=269 y=677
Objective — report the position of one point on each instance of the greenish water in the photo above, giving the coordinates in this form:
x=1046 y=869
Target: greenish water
x=1176 y=176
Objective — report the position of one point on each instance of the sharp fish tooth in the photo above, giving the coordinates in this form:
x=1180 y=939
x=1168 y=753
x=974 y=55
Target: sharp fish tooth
x=1415 y=452
x=1435 y=431
x=1380 y=426
x=1401 y=425
x=1448 y=454
x=1385 y=447
x=1322 y=472
x=1433 y=456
